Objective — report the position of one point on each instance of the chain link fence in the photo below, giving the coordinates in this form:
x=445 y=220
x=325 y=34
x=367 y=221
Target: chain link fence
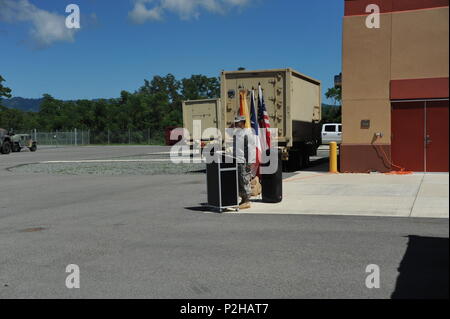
x=88 y=137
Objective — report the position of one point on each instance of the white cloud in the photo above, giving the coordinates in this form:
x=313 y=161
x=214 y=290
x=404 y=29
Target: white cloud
x=141 y=14
x=46 y=27
x=185 y=9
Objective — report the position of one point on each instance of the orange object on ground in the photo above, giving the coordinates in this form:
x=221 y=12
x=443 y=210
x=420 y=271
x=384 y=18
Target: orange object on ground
x=401 y=171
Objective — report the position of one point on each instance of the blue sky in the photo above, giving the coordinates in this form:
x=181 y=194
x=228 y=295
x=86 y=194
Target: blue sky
x=123 y=42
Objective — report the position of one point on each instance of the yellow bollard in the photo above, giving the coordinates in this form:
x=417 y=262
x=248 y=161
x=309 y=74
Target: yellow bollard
x=333 y=157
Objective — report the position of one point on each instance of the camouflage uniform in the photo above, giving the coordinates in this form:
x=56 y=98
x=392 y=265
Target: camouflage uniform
x=241 y=152
x=245 y=177
x=242 y=140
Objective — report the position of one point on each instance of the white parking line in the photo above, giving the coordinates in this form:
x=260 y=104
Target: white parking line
x=175 y=153
x=187 y=159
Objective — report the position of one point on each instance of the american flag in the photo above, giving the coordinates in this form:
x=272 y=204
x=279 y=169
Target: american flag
x=263 y=119
x=255 y=128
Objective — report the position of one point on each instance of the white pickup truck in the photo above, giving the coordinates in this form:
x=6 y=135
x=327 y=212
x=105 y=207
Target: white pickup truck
x=331 y=132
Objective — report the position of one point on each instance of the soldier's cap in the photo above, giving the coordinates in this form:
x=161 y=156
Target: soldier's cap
x=239 y=119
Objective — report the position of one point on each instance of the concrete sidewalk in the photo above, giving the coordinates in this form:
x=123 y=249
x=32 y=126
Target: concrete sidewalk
x=309 y=193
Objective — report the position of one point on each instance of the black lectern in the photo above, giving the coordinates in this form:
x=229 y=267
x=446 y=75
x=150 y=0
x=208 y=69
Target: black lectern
x=222 y=183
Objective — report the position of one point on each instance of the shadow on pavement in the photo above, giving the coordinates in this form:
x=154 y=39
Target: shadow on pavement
x=319 y=165
x=203 y=207
x=316 y=165
x=423 y=270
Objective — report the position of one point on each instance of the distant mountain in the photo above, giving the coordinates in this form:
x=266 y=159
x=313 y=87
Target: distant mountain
x=20 y=103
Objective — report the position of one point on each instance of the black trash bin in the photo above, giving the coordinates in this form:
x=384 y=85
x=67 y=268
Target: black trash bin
x=272 y=184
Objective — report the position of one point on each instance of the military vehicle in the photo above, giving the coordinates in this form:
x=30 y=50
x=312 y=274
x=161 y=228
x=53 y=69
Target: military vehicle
x=5 y=142
x=293 y=102
x=20 y=141
x=206 y=112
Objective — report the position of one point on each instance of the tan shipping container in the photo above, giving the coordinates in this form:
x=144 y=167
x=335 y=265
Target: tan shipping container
x=206 y=111
x=293 y=101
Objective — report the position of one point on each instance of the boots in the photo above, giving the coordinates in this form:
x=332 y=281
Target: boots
x=256 y=187
x=245 y=203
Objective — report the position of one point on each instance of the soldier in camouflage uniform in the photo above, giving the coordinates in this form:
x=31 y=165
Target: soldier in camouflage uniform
x=240 y=146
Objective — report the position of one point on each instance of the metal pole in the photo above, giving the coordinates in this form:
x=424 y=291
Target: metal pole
x=333 y=157
x=76 y=138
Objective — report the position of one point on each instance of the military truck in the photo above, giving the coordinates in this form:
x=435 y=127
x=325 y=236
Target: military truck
x=293 y=102
x=5 y=142
x=207 y=113
x=20 y=141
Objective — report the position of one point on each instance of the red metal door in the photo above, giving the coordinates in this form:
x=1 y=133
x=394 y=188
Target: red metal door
x=408 y=129
x=437 y=136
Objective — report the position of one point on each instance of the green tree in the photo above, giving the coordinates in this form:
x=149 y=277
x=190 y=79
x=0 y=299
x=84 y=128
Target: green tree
x=334 y=93
x=331 y=114
x=154 y=106
x=200 y=87
x=167 y=85
x=4 y=91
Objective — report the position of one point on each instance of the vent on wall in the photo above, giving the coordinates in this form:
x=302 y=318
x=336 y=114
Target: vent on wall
x=365 y=124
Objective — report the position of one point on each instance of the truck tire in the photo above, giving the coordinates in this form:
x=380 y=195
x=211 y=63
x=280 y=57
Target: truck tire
x=33 y=148
x=295 y=161
x=6 y=148
x=305 y=160
x=16 y=147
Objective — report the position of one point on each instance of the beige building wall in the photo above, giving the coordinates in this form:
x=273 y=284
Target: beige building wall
x=409 y=45
x=366 y=77
x=420 y=44
x=379 y=114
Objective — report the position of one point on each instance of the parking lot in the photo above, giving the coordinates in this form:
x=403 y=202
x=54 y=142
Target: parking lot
x=133 y=223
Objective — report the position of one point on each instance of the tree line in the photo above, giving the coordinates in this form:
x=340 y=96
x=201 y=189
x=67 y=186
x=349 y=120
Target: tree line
x=156 y=105
x=330 y=113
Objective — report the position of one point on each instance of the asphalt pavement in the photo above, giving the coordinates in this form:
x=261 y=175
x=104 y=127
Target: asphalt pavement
x=149 y=237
